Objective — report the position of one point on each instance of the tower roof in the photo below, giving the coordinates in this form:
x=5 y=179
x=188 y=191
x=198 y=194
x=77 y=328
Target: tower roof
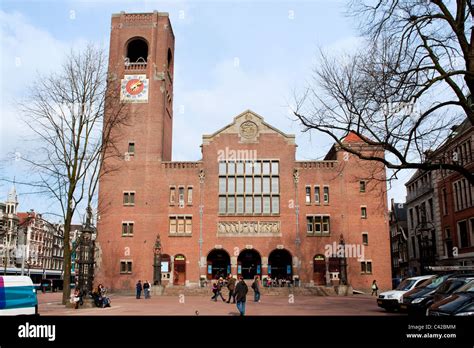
x=12 y=196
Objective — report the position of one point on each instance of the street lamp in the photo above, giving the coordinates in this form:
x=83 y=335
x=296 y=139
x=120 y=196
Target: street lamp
x=342 y=260
x=296 y=179
x=157 y=262
x=427 y=253
x=85 y=253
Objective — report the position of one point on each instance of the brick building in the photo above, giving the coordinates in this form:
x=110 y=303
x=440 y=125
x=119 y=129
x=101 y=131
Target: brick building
x=456 y=197
x=246 y=207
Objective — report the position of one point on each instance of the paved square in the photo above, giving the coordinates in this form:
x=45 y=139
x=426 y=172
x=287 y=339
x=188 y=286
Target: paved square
x=49 y=304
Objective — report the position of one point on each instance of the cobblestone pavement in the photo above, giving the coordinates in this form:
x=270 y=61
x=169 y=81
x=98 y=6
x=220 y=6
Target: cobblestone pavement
x=49 y=304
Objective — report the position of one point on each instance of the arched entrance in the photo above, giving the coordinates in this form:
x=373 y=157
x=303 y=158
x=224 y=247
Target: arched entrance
x=218 y=264
x=249 y=264
x=280 y=264
x=179 y=268
x=319 y=269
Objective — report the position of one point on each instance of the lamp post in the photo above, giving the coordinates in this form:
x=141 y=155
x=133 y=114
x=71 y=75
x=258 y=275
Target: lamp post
x=342 y=260
x=201 y=212
x=296 y=179
x=157 y=262
x=426 y=244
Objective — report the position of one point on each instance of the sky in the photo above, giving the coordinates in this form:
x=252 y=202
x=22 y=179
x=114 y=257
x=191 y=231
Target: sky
x=230 y=56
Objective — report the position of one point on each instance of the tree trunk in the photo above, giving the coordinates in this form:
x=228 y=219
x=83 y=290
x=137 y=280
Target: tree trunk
x=67 y=258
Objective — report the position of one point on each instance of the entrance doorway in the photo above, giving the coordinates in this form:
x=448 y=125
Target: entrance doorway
x=279 y=264
x=319 y=270
x=218 y=264
x=179 y=274
x=249 y=264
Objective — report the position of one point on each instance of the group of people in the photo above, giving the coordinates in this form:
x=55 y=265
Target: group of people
x=145 y=287
x=98 y=295
x=237 y=291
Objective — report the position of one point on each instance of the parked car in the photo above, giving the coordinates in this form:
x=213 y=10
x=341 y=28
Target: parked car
x=460 y=303
x=418 y=300
x=18 y=296
x=390 y=300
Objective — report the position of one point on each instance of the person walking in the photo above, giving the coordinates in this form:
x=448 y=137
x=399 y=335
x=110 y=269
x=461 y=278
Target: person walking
x=256 y=289
x=375 y=288
x=139 y=289
x=146 y=289
x=217 y=289
x=231 y=287
x=241 y=290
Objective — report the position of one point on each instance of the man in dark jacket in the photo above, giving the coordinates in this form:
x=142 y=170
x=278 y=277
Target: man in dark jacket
x=139 y=288
x=241 y=290
x=231 y=287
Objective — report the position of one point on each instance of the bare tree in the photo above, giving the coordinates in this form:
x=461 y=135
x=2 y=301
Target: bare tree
x=66 y=112
x=405 y=90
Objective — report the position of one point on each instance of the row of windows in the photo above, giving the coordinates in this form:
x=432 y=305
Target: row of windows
x=254 y=205
x=249 y=168
x=181 y=197
x=249 y=185
x=317 y=195
x=423 y=214
x=462 y=194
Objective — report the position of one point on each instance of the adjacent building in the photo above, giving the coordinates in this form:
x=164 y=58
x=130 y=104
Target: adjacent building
x=399 y=240
x=248 y=207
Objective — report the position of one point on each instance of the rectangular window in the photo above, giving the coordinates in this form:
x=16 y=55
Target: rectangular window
x=180 y=225
x=190 y=195
x=248 y=205
x=248 y=168
x=275 y=205
x=125 y=267
x=275 y=188
x=317 y=224
x=222 y=168
x=266 y=185
x=266 y=205
x=231 y=185
x=189 y=225
x=316 y=195
x=266 y=168
x=361 y=186
x=257 y=205
x=222 y=205
x=365 y=238
x=326 y=224
x=309 y=224
x=129 y=198
x=172 y=195
x=131 y=148
x=222 y=185
x=275 y=168
x=308 y=195
x=444 y=201
x=326 y=194
x=257 y=185
x=240 y=185
x=366 y=267
x=463 y=234
x=240 y=168
x=240 y=205
x=231 y=168
x=363 y=212
x=257 y=168
x=248 y=185
x=127 y=229
x=173 y=225
x=231 y=205
x=472 y=231
x=412 y=223
x=181 y=196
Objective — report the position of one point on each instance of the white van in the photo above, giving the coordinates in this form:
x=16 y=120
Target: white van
x=390 y=300
x=17 y=296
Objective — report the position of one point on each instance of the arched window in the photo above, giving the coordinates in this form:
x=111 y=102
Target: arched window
x=137 y=51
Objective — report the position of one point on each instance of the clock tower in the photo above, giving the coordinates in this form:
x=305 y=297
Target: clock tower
x=141 y=62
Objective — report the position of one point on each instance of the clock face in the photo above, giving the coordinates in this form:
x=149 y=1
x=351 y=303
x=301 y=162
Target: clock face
x=134 y=89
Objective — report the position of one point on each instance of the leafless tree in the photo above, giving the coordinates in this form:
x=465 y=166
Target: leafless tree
x=405 y=90
x=72 y=114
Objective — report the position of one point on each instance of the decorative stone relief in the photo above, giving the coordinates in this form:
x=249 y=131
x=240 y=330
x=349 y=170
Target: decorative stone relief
x=248 y=228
